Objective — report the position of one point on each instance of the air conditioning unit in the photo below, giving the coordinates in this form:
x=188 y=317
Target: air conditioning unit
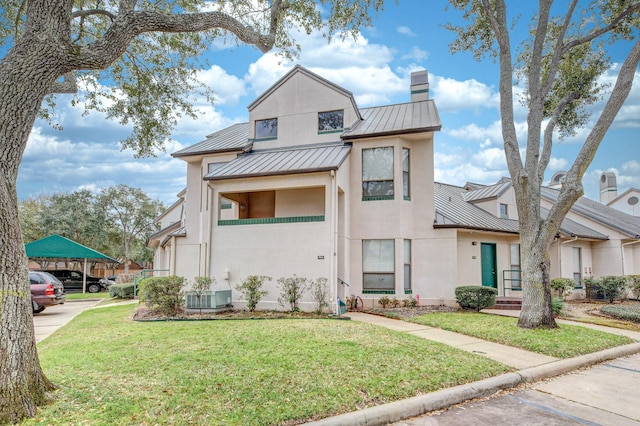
x=208 y=300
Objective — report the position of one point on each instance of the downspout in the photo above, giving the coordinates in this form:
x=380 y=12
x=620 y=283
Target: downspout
x=334 y=234
x=622 y=246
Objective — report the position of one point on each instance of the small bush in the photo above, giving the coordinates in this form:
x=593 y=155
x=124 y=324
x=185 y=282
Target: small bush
x=384 y=301
x=392 y=315
x=613 y=286
x=394 y=302
x=122 y=291
x=562 y=286
x=557 y=304
x=476 y=297
x=410 y=302
x=320 y=294
x=623 y=312
x=199 y=286
x=251 y=290
x=591 y=287
x=633 y=281
x=163 y=294
x=291 y=291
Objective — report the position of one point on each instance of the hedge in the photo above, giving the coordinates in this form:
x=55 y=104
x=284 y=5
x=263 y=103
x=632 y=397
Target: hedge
x=476 y=297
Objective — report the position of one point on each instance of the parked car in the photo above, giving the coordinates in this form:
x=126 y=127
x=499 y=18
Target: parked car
x=72 y=280
x=46 y=290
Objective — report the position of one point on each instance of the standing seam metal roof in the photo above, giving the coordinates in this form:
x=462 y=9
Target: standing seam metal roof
x=410 y=117
x=290 y=160
x=232 y=138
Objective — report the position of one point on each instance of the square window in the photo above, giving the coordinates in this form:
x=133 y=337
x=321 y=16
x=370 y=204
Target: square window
x=377 y=172
x=330 y=120
x=267 y=128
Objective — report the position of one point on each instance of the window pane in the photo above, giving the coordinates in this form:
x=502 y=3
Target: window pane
x=515 y=255
x=377 y=188
x=405 y=173
x=267 y=128
x=407 y=251
x=330 y=120
x=377 y=164
x=407 y=277
x=378 y=282
x=378 y=256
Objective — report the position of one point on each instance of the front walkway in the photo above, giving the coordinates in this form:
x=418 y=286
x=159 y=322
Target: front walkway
x=513 y=357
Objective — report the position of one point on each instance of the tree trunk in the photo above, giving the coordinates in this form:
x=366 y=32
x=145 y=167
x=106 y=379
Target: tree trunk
x=536 y=291
x=26 y=74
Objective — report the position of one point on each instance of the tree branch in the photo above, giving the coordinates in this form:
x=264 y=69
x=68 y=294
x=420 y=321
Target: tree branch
x=558 y=50
x=67 y=85
x=572 y=188
x=600 y=31
x=93 y=12
x=545 y=155
x=129 y=24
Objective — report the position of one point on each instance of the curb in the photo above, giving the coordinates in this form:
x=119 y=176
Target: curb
x=422 y=404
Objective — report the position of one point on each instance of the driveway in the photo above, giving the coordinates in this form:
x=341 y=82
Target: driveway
x=605 y=394
x=54 y=317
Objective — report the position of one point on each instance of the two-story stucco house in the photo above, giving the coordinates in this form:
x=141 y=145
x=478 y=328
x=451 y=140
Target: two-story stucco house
x=314 y=186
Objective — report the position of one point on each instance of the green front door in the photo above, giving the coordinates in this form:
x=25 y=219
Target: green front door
x=488 y=257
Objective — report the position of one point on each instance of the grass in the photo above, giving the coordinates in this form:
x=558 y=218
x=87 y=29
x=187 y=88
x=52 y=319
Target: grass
x=564 y=342
x=245 y=372
x=81 y=296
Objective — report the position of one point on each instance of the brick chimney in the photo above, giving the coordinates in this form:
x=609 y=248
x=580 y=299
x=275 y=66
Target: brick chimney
x=419 y=86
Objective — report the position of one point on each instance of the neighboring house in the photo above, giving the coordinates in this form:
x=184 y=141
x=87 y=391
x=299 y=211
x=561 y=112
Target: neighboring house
x=314 y=186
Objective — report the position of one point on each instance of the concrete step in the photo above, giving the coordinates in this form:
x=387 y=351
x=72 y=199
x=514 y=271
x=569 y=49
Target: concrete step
x=508 y=303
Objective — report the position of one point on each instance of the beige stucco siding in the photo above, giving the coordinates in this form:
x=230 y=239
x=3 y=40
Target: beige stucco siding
x=296 y=107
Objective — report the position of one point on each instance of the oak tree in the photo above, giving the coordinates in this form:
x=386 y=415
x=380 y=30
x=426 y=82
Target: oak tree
x=559 y=63
x=136 y=60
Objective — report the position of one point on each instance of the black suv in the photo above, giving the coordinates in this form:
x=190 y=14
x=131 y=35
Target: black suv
x=72 y=280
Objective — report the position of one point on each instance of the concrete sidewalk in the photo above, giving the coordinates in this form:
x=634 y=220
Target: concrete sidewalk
x=532 y=367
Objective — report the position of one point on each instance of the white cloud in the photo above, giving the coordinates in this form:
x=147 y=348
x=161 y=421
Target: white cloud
x=228 y=88
x=491 y=159
x=416 y=54
x=454 y=96
x=557 y=164
x=406 y=31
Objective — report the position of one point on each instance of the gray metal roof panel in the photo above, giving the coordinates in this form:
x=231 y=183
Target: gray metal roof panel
x=410 y=117
x=232 y=138
x=289 y=160
x=608 y=216
x=491 y=191
x=452 y=209
x=574 y=229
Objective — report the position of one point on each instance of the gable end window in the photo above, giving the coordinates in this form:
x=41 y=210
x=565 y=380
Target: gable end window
x=504 y=211
x=267 y=129
x=377 y=174
x=330 y=121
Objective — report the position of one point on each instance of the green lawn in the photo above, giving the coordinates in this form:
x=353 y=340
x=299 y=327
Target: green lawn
x=112 y=370
x=564 y=342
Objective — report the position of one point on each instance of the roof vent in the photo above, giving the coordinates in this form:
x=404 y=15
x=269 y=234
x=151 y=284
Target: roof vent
x=557 y=180
x=419 y=86
x=608 y=187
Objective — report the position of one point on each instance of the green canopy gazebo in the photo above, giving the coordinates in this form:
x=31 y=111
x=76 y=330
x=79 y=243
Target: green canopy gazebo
x=58 y=247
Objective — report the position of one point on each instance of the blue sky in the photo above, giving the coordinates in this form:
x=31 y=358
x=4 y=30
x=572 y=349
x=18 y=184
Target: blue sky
x=375 y=68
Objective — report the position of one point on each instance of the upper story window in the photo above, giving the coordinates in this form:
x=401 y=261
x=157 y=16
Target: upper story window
x=330 y=121
x=406 y=188
x=267 y=129
x=377 y=173
x=504 y=211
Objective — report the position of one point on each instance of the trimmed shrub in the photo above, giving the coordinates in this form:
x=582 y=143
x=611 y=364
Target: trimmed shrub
x=291 y=291
x=562 y=286
x=476 y=297
x=163 y=295
x=121 y=291
x=199 y=286
x=251 y=290
x=623 y=312
x=613 y=286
